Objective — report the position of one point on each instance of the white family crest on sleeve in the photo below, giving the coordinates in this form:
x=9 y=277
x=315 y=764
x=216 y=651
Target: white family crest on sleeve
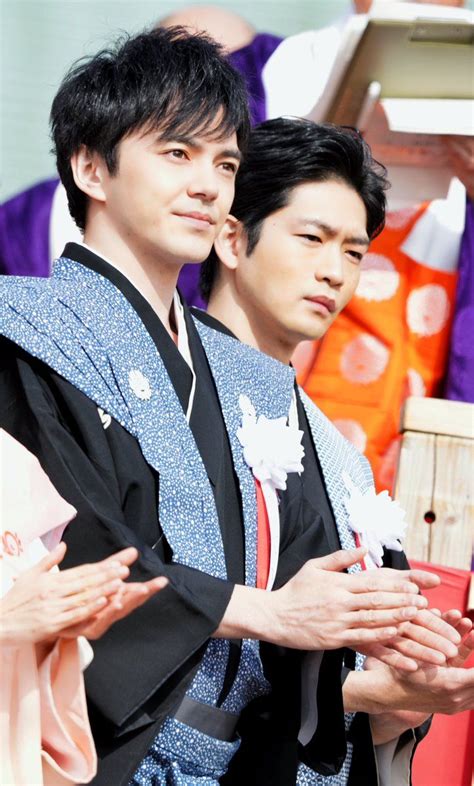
x=272 y=448
x=105 y=418
x=139 y=384
x=376 y=518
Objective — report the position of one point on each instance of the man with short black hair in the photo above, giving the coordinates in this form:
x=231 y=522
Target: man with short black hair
x=309 y=199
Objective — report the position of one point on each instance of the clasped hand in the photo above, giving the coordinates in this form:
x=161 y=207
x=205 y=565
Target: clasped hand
x=377 y=612
x=43 y=604
x=413 y=697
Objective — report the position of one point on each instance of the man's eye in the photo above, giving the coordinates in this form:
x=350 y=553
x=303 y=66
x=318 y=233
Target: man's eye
x=356 y=255
x=176 y=153
x=311 y=238
x=229 y=166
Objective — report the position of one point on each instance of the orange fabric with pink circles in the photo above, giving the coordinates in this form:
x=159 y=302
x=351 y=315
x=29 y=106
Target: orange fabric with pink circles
x=391 y=341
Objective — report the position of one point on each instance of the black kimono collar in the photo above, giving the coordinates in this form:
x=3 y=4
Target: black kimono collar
x=176 y=366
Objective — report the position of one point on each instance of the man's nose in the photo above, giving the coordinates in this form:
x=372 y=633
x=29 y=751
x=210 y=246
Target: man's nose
x=329 y=266
x=204 y=183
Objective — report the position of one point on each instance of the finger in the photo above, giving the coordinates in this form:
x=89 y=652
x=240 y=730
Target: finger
x=372 y=618
x=54 y=557
x=386 y=600
x=101 y=625
x=92 y=628
x=468 y=642
x=135 y=594
x=88 y=596
x=156 y=585
x=79 y=614
x=452 y=616
x=466 y=648
x=385 y=654
x=362 y=636
x=423 y=631
x=383 y=579
x=86 y=577
x=133 y=601
x=127 y=594
x=153 y=586
x=125 y=556
x=430 y=622
x=464 y=626
x=424 y=579
x=420 y=653
x=340 y=560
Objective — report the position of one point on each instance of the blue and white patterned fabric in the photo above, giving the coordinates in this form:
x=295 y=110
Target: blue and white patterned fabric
x=81 y=326
x=336 y=456
x=201 y=761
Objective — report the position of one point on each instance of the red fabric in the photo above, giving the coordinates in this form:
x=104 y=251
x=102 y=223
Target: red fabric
x=446 y=756
x=358 y=544
x=263 y=539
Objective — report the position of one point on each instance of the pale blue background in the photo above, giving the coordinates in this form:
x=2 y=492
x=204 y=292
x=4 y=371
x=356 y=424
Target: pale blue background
x=41 y=38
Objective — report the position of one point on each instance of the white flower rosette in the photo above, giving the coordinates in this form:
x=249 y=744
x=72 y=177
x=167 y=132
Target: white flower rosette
x=272 y=449
x=377 y=519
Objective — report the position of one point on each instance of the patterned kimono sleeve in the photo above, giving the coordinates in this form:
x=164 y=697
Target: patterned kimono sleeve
x=147 y=659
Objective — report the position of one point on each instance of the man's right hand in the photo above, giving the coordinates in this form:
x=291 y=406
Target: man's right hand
x=323 y=608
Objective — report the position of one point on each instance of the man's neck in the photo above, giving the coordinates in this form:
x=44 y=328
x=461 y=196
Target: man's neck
x=155 y=281
x=246 y=324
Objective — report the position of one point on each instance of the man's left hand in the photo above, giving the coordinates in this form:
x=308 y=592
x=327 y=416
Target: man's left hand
x=429 y=638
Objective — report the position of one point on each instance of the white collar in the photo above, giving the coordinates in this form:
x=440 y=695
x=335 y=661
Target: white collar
x=183 y=346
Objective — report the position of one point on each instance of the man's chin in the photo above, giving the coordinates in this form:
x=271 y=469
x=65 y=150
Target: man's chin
x=188 y=256
x=313 y=332
x=195 y=253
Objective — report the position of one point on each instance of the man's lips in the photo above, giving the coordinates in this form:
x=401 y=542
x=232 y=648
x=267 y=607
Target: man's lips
x=200 y=219
x=325 y=305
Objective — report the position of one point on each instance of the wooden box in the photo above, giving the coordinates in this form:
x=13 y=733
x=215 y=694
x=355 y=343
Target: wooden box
x=435 y=480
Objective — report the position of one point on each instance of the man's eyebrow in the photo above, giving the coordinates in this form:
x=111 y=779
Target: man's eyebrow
x=196 y=144
x=359 y=240
x=232 y=152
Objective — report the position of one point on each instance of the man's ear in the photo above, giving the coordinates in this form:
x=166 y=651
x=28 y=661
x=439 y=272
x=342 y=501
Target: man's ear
x=89 y=171
x=230 y=243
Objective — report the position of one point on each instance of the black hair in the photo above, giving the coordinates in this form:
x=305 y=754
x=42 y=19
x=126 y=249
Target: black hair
x=166 y=80
x=287 y=152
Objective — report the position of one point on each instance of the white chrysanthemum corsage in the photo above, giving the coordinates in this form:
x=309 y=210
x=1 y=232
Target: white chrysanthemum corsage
x=377 y=519
x=271 y=447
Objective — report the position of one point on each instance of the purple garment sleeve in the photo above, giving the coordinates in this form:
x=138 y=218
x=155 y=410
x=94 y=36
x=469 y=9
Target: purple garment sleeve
x=188 y=285
x=460 y=378
x=250 y=61
x=24 y=231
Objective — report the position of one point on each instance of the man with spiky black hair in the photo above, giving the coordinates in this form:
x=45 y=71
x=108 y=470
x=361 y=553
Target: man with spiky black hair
x=308 y=201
